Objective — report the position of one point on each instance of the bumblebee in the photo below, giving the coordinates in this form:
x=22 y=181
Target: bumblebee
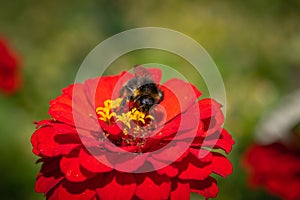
x=141 y=92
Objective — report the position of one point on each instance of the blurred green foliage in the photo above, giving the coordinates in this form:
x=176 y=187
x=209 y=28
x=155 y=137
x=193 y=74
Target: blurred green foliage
x=255 y=44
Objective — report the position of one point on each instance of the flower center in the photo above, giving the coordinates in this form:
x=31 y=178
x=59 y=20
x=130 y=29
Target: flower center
x=110 y=110
x=135 y=125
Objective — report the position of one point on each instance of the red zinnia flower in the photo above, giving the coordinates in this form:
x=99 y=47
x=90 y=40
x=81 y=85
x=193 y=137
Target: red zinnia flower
x=94 y=149
x=275 y=167
x=274 y=161
x=10 y=78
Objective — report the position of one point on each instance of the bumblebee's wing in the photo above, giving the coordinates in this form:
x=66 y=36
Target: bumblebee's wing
x=140 y=71
x=142 y=75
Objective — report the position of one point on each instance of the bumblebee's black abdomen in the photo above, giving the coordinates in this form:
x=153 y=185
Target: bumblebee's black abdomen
x=148 y=88
x=147 y=100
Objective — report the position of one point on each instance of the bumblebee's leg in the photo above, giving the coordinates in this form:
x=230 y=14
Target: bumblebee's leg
x=142 y=108
x=136 y=101
x=122 y=91
x=126 y=90
x=161 y=96
x=123 y=102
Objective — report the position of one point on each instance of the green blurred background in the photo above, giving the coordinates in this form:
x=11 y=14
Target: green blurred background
x=255 y=44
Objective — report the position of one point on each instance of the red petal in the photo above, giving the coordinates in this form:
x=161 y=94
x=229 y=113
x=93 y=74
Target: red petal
x=69 y=106
x=43 y=141
x=117 y=186
x=61 y=107
x=53 y=194
x=49 y=141
x=129 y=162
x=178 y=97
x=76 y=191
x=156 y=74
x=195 y=169
x=221 y=165
x=70 y=166
x=106 y=87
x=91 y=164
x=114 y=157
x=226 y=141
x=152 y=186
x=223 y=141
x=208 y=107
x=83 y=109
x=171 y=153
x=34 y=143
x=181 y=191
x=170 y=171
x=182 y=127
x=49 y=177
x=202 y=154
x=167 y=132
x=207 y=188
x=44 y=183
x=49 y=165
x=211 y=116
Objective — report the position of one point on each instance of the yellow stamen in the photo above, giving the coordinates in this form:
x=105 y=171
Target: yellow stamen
x=106 y=112
x=125 y=118
x=137 y=115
